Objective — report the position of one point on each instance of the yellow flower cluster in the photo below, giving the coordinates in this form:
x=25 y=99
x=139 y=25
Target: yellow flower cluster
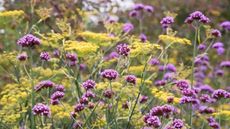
x=12 y=100
x=138 y=69
x=61 y=111
x=139 y=48
x=6 y=58
x=223 y=114
x=101 y=39
x=82 y=48
x=162 y=95
x=172 y=39
x=51 y=39
x=47 y=72
x=11 y=13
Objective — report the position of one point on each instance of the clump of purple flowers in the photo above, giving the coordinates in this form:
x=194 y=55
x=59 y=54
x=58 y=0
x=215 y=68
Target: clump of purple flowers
x=28 y=40
x=109 y=74
x=154 y=62
x=220 y=93
x=139 y=10
x=41 y=109
x=164 y=110
x=58 y=94
x=22 y=57
x=131 y=79
x=152 y=121
x=178 y=124
x=182 y=84
x=197 y=16
x=216 y=33
x=44 y=84
x=89 y=84
x=45 y=56
x=167 y=21
x=72 y=57
x=123 y=49
x=212 y=123
x=225 y=64
x=225 y=25
x=143 y=37
x=128 y=27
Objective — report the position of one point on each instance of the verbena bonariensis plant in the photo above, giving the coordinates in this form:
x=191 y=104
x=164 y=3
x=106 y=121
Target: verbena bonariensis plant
x=117 y=79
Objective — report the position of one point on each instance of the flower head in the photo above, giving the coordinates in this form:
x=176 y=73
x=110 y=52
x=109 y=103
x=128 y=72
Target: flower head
x=71 y=57
x=153 y=121
x=45 y=56
x=109 y=74
x=44 y=84
x=215 y=33
x=127 y=27
x=225 y=25
x=167 y=21
x=41 y=109
x=123 y=49
x=149 y=9
x=182 y=84
x=89 y=84
x=22 y=57
x=28 y=40
x=131 y=79
x=178 y=124
x=143 y=37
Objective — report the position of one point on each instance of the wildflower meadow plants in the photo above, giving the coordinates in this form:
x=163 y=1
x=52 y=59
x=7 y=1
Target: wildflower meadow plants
x=61 y=74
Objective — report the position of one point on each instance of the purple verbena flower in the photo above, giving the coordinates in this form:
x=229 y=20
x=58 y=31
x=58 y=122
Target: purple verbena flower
x=143 y=37
x=202 y=47
x=127 y=27
x=71 y=56
x=44 y=84
x=225 y=25
x=57 y=95
x=138 y=7
x=45 y=56
x=178 y=124
x=220 y=93
x=153 y=121
x=215 y=33
x=154 y=61
x=149 y=9
x=182 y=84
x=28 y=40
x=59 y=88
x=123 y=49
x=167 y=21
x=109 y=74
x=108 y=93
x=143 y=99
x=225 y=64
x=160 y=82
x=41 y=109
x=89 y=84
x=79 y=107
x=217 y=45
x=131 y=79
x=171 y=68
x=22 y=57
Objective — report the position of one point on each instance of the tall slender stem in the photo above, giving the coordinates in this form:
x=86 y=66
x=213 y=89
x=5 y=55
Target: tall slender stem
x=193 y=64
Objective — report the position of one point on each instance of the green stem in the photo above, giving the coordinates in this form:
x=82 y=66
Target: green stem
x=193 y=64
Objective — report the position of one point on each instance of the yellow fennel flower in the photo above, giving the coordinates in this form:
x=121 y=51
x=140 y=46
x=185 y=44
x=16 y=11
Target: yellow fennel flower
x=172 y=39
x=101 y=39
x=12 y=13
x=82 y=48
x=139 y=48
x=162 y=95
